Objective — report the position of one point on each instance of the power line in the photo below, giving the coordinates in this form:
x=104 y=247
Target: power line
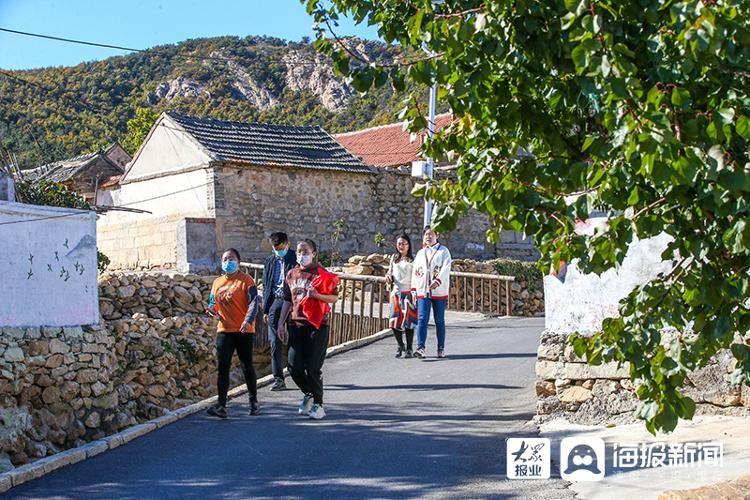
x=144 y=51
x=69 y=214
x=70 y=40
x=130 y=204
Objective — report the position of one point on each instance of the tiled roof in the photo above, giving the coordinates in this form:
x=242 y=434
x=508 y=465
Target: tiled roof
x=66 y=170
x=263 y=144
x=387 y=145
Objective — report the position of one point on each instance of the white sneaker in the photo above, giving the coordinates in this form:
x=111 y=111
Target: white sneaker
x=317 y=412
x=306 y=405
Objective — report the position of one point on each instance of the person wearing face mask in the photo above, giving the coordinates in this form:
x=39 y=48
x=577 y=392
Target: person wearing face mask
x=429 y=283
x=307 y=344
x=234 y=301
x=277 y=265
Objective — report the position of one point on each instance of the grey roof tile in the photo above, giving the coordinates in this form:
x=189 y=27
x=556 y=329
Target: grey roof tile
x=265 y=144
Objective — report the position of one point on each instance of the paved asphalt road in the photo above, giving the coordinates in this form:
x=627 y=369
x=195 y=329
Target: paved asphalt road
x=395 y=428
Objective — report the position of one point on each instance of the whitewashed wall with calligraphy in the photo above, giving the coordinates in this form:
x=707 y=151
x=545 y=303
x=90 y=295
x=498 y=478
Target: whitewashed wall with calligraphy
x=48 y=272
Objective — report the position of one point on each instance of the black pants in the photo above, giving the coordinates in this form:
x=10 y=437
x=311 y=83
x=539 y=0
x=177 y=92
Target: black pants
x=226 y=343
x=399 y=334
x=277 y=346
x=307 y=352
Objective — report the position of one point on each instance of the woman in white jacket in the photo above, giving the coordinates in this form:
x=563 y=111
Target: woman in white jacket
x=430 y=281
x=403 y=308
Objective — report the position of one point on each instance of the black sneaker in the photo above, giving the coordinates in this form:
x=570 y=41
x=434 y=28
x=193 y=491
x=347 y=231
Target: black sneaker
x=399 y=352
x=279 y=385
x=254 y=408
x=217 y=411
x=408 y=354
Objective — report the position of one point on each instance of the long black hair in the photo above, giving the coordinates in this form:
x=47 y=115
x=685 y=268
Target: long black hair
x=409 y=254
x=235 y=252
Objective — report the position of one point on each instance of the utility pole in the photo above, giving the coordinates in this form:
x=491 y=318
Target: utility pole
x=430 y=161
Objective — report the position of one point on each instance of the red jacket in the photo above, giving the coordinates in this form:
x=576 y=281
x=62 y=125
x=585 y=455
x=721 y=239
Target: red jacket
x=325 y=283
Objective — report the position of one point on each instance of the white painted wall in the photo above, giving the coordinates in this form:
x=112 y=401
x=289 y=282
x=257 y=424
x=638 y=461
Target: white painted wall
x=168 y=149
x=582 y=301
x=185 y=194
x=48 y=273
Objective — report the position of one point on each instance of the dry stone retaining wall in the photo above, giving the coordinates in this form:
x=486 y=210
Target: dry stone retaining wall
x=567 y=386
x=61 y=387
x=157 y=295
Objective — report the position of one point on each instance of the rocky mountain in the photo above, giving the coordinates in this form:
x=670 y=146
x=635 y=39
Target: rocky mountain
x=54 y=113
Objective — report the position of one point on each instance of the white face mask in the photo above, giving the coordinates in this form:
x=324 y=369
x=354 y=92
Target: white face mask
x=304 y=260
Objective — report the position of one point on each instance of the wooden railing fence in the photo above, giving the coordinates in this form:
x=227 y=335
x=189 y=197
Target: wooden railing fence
x=363 y=309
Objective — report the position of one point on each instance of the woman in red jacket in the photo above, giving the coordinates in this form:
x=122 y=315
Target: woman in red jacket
x=307 y=344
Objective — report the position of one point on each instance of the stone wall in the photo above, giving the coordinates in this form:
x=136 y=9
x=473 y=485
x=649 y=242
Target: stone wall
x=61 y=387
x=567 y=386
x=141 y=243
x=305 y=203
x=527 y=297
x=157 y=295
x=152 y=352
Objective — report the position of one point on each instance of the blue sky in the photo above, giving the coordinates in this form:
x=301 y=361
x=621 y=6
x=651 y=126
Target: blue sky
x=142 y=24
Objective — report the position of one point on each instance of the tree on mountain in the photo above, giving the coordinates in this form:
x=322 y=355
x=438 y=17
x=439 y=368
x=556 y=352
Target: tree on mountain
x=638 y=106
x=138 y=128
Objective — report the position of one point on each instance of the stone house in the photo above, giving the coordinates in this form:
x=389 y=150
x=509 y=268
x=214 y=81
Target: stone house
x=83 y=174
x=211 y=184
x=390 y=149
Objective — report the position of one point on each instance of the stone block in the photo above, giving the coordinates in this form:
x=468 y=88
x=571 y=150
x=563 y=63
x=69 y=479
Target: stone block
x=113 y=441
x=137 y=431
x=13 y=354
x=54 y=361
x=95 y=448
x=551 y=352
x=551 y=370
x=6 y=482
x=575 y=394
x=57 y=346
x=106 y=401
x=545 y=388
x=73 y=332
x=26 y=473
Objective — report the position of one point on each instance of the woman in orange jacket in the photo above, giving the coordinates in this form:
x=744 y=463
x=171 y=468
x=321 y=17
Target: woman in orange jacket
x=234 y=300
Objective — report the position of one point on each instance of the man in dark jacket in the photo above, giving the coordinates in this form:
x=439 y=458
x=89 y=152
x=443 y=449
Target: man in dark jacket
x=276 y=267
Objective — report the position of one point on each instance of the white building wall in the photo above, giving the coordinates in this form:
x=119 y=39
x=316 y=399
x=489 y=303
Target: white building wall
x=580 y=302
x=166 y=150
x=186 y=194
x=48 y=266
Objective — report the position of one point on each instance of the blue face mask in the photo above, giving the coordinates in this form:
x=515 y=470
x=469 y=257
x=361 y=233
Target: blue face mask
x=281 y=253
x=229 y=266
